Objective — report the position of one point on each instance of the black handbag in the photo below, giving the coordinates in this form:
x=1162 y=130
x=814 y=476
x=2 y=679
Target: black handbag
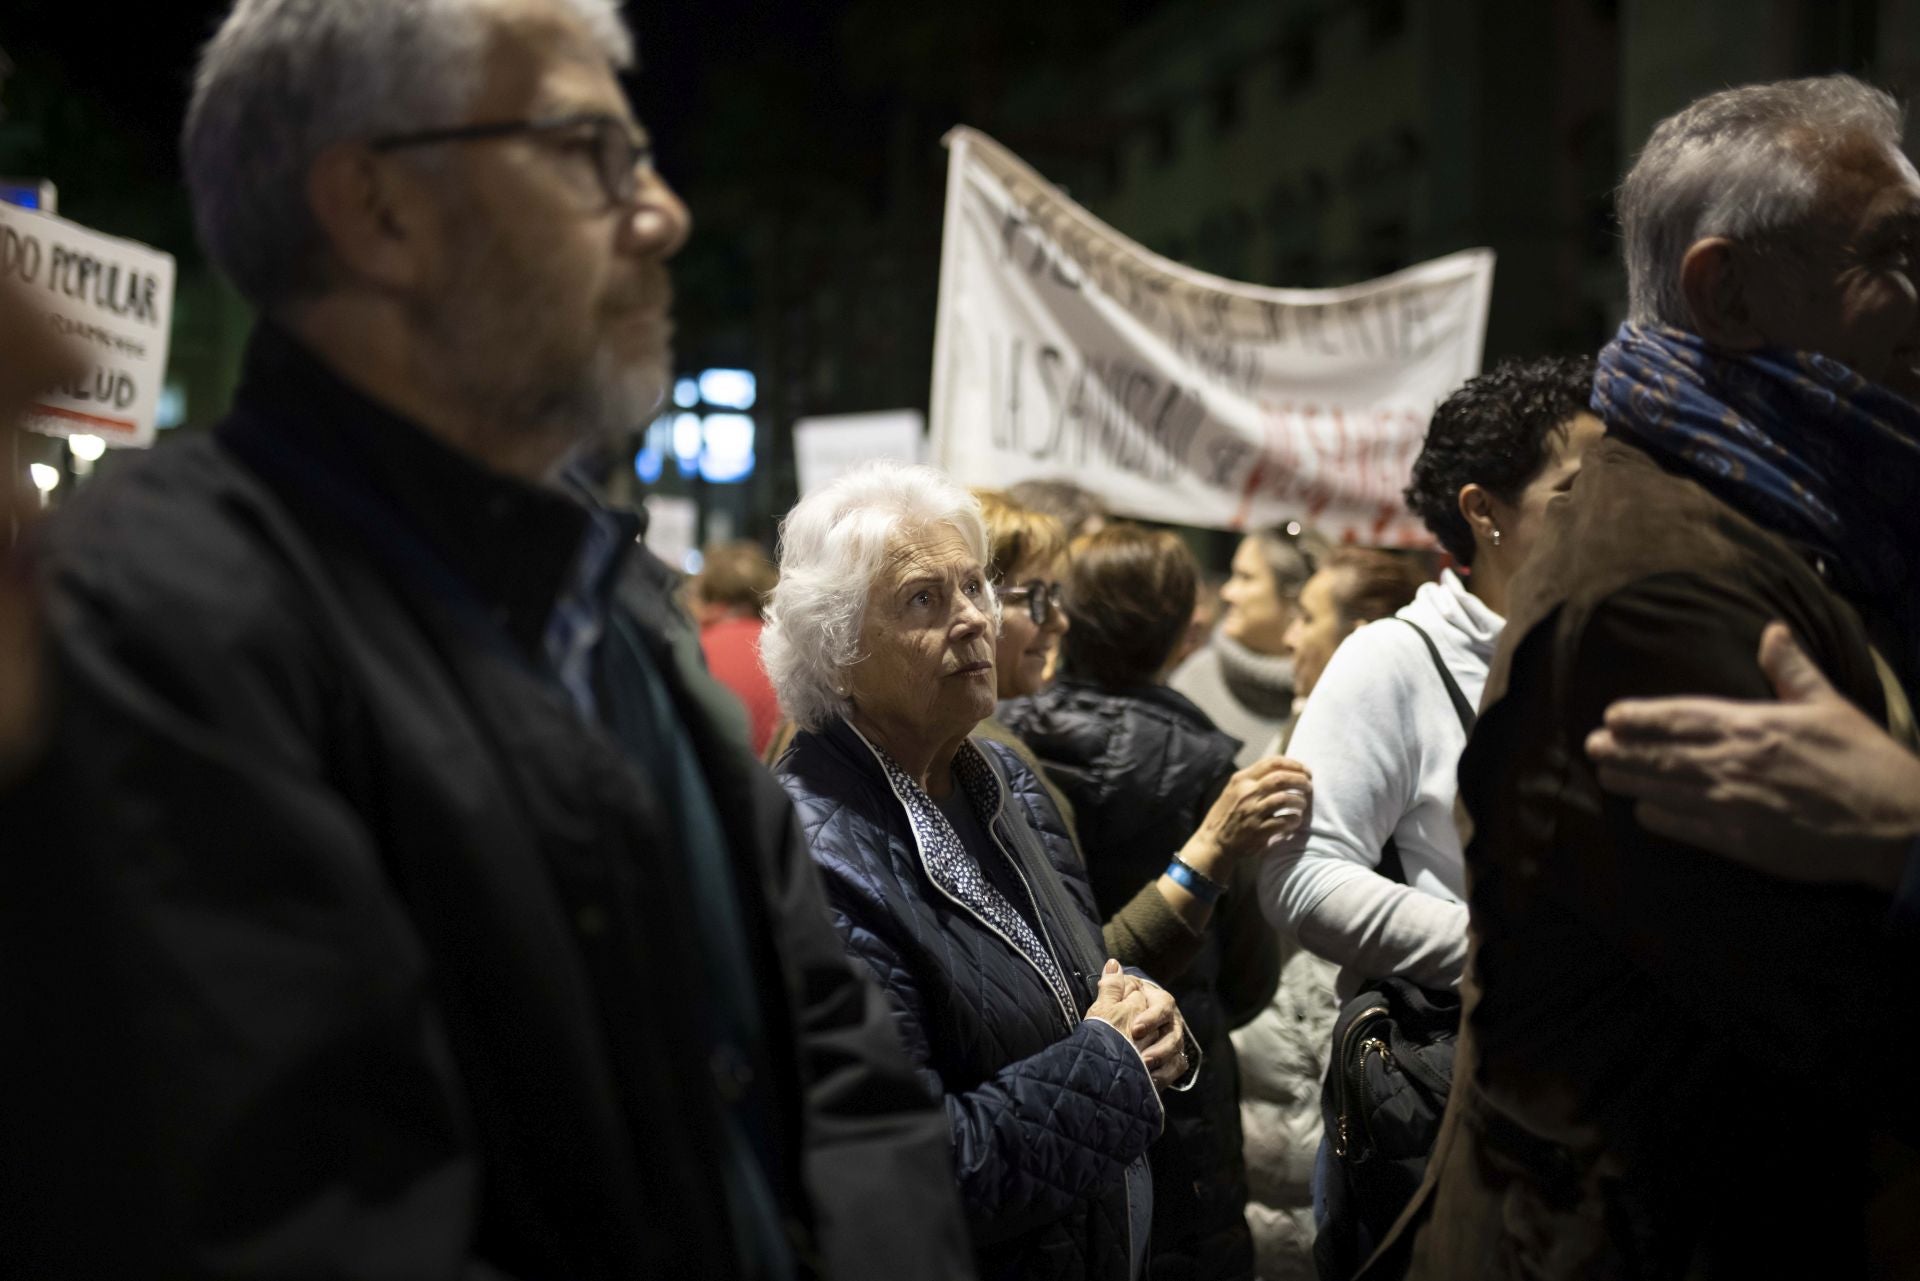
x=1386 y=1088
x=1382 y=1101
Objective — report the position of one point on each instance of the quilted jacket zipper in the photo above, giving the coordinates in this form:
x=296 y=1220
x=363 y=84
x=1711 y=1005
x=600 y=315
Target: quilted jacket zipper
x=1054 y=907
x=1058 y=910
x=1071 y=1020
x=921 y=849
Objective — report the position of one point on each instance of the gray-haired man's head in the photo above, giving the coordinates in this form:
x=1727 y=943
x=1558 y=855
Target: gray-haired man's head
x=284 y=79
x=1781 y=215
x=463 y=176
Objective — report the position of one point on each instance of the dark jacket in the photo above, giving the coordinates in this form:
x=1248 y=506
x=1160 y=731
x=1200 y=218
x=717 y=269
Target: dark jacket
x=1672 y=1066
x=1048 y=1111
x=1142 y=766
x=334 y=941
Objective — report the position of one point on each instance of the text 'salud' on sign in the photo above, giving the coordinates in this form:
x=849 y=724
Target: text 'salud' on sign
x=111 y=298
x=1065 y=350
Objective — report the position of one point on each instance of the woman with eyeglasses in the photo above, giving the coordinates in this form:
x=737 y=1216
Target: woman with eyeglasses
x=1158 y=930
x=1149 y=776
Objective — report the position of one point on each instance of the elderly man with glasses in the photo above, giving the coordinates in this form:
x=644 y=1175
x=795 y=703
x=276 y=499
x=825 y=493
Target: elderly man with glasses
x=391 y=902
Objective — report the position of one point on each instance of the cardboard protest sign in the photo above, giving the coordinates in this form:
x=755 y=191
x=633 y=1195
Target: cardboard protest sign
x=826 y=447
x=1065 y=350
x=111 y=297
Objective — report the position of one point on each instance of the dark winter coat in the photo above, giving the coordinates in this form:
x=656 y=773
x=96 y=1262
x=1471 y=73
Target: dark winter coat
x=1050 y=1112
x=335 y=941
x=1672 y=1066
x=1142 y=766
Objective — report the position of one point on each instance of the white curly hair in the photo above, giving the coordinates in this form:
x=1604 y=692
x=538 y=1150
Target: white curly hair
x=832 y=546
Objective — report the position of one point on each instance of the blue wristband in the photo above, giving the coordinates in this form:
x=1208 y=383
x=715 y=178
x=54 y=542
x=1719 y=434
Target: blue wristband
x=1201 y=886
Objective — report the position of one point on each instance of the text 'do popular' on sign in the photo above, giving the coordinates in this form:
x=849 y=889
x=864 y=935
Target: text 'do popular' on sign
x=1065 y=350
x=111 y=298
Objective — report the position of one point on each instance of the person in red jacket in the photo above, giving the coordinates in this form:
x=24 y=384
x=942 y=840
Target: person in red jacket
x=734 y=579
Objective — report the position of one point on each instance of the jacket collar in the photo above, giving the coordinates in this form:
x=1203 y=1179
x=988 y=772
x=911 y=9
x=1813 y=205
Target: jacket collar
x=512 y=545
x=955 y=870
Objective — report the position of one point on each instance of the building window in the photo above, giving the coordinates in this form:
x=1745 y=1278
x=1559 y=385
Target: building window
x=1298 y=58
x=1385 y=20
x=1163 y=138
x=1292 y=225
x=1222 y=244
x=1384 y=246
x=1297 y=269
x=1226 y=106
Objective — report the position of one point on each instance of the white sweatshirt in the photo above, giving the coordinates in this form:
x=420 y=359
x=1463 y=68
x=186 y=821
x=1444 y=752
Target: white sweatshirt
x=1383 y=741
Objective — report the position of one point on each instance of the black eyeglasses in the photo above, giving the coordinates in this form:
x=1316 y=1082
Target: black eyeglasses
x=618 y=155
x=1042 y=599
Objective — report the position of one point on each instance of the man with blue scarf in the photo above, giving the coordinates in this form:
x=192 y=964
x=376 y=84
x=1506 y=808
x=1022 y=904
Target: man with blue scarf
x=1674 y=1064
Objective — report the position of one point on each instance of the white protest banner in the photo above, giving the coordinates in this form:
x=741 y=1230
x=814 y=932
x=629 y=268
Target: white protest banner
x=1064 y=350
x=111 y=297
x=825 y=447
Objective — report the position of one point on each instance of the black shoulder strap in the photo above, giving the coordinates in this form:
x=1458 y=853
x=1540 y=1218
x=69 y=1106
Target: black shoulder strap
x=1390 y=865
x=1461 y=706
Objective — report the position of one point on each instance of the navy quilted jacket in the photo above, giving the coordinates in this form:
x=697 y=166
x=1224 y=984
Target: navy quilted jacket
x=1051 y=1113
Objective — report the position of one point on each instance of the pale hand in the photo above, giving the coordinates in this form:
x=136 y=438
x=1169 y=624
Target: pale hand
x=1807 y=788
x=1267 y=801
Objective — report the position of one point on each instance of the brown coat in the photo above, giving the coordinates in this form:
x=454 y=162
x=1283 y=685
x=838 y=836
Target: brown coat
x=1672 y=1066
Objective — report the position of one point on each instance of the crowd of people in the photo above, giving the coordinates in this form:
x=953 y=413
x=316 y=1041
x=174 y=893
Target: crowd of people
x=408 y=876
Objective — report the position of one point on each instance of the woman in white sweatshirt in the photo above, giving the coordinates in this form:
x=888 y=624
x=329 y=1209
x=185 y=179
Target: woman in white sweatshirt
x=1381 y=732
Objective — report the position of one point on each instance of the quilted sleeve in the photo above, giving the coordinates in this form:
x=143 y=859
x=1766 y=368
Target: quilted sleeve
x=1043 y=1134
x=1047 y=1132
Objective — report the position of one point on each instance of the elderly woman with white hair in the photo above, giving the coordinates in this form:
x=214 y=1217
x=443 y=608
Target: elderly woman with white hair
x=950 y=875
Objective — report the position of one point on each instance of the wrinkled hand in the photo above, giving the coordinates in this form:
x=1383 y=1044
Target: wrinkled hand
x=1163 y=1045
x=1267 y=801
x=1147 y=1016
x=1807 y=788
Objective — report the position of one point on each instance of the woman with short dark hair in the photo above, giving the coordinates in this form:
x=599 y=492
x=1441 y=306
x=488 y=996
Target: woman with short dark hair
x=1142 y=765
x=1381 y=729
x=1384 y=727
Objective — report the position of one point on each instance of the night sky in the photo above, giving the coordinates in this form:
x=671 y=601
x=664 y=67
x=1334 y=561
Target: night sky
x=767 y=116
x=736 y=92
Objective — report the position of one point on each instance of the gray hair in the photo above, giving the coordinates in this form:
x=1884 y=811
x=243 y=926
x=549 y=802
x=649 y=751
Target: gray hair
x=833 y=545
x=1743 y=163
x=282 y=80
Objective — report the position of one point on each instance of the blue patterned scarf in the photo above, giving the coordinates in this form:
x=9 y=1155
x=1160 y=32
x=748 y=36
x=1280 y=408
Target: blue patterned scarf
x=1797 y=442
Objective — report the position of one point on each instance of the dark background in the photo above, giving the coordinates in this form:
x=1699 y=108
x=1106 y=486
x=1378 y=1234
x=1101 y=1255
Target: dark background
x=1234 y=135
